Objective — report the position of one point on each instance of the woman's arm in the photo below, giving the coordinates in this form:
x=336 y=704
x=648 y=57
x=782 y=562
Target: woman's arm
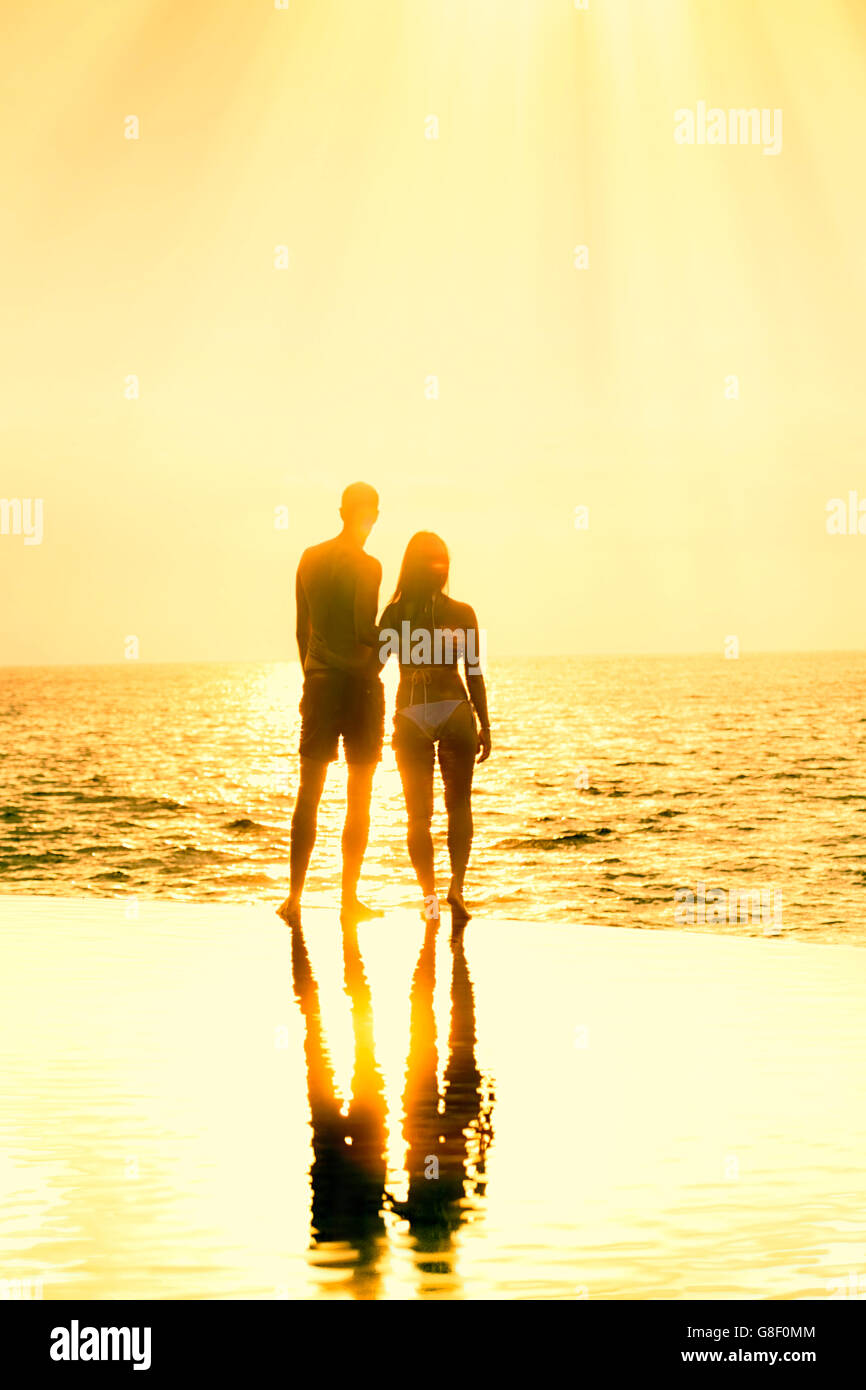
x=475 y=683
x=386 y=639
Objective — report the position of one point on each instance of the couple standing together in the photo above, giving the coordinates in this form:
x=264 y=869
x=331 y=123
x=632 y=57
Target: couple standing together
x=342 y=652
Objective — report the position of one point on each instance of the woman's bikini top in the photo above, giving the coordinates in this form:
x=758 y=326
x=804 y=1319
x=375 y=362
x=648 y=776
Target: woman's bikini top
x=430 y=716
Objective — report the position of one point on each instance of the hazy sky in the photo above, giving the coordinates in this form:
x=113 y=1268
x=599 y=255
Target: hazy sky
x=410 y=258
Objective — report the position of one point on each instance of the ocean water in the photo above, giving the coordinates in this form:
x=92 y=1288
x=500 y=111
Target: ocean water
x=616 y=787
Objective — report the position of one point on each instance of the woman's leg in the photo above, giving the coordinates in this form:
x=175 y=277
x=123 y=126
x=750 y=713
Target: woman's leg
x=458 y=745
x=415 y=760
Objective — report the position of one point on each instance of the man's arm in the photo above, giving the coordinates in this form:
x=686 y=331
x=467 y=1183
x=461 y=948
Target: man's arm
x=367 y=603
x=302 y=622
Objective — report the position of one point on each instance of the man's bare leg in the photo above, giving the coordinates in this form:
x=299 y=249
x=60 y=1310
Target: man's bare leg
x=304 y=821
x=355 y=834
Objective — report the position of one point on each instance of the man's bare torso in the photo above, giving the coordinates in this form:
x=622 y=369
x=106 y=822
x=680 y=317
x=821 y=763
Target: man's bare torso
x=338 y=586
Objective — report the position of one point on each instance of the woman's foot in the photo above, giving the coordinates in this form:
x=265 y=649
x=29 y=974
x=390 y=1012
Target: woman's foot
x=460 y=914
x=290 y=911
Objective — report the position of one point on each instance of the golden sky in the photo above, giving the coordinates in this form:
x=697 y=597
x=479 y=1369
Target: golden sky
x=409 y=258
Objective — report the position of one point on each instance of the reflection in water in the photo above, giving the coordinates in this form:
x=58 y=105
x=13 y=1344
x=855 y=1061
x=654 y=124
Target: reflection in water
x=447 y=1132
x=348 y=1170
x=144 y=1079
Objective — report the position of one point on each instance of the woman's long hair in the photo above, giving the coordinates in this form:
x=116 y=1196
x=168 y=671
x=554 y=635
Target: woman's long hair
x=423 y=575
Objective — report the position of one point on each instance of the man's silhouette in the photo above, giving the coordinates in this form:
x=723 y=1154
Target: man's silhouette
x=338 y=598
x=349 y=1167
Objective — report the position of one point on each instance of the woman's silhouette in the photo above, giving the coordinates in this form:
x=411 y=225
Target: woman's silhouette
x=436 y=711
x=449 y=1131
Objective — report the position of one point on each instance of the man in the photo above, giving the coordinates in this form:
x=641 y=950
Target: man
x=337 y=599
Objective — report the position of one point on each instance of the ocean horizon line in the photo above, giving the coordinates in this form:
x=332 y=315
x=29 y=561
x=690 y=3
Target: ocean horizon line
x=505 y=656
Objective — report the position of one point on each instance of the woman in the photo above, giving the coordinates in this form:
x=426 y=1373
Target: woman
x=429 y=632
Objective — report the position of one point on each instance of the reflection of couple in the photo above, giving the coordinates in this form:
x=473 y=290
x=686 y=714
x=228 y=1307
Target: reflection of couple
x=448 y=1129
x=342 y=653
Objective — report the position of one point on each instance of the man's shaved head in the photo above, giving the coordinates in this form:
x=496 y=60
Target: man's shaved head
x=359 y=498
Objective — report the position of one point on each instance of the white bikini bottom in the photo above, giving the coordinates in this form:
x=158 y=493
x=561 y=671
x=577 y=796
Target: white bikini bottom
x=432 y=717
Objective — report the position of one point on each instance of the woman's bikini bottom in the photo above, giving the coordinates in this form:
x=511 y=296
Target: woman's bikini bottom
x=431 y=718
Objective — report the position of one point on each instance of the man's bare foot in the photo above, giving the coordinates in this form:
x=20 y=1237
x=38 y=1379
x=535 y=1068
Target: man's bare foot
x=290 y=912
x=460 y=914
x=353 y=910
